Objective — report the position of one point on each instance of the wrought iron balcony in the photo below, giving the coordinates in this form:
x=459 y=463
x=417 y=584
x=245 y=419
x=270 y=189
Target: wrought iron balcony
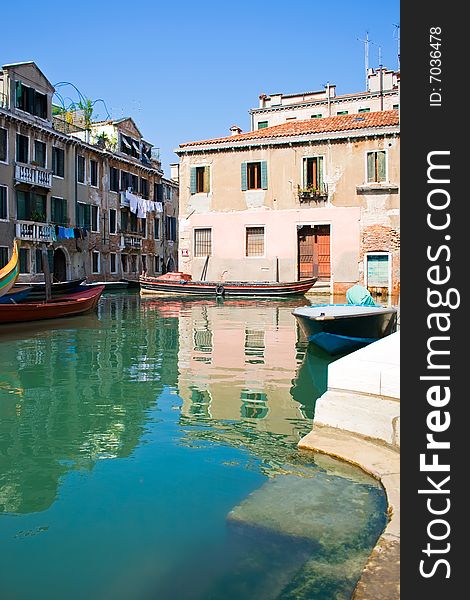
x=313 y=193
x=33 y=175
x=34 y=232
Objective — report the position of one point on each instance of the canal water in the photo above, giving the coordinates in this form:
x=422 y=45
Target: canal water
x=148 y=452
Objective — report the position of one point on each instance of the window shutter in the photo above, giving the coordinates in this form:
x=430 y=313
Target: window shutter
x=244 y=177
x=370 y=166
x=320 y=173
x=207 y=179
x=264 y=175
x=304 y=182
x=192 y=180
x=19 y=92
x=381 y=166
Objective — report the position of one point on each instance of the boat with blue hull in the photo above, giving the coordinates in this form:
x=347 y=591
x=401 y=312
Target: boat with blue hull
x=17 y=293
x=343 y=328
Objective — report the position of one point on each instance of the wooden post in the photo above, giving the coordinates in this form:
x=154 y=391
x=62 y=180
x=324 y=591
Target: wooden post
x=46 y=271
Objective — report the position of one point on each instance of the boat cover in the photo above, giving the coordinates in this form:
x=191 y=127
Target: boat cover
x=359 y=295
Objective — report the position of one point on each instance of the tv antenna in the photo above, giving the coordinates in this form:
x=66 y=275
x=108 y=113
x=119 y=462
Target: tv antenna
x=366 y=43
x=396 y=35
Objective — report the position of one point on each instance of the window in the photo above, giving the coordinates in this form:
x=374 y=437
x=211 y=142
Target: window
x=363 y=110
x=114 y=179
x=93 y=173
x=255 y=241
x=395 y=106
x=133 y=222
x=158 y=192
x=95 y=220
x=22 y=148
x=156 y=228
x=342 y=112
x=30 y=206
x=59 y=211
x=125 y=180
x=57 y=161
x=83 y=215
x=130 y=146
x=3 y=145
x=112 y=220
x=199 y=180
x=40 y=153
x=81 y=169
x=156 y=264
x=376 y=166
x=262 y=124
x=124 y=220
x=50 y=260
x=3 y=203
x=124 y=263
x=95 y=262
x=31 y=101
x=134 y=182
x=113 y=262
x=317 y=116
x=144 y=188
x=202 y=242
x=171 y=228
x=133 y=263
x=144 y=263
x=313 y=173
x=254 y=176
x=143 y=226
x=24 y=260
x=3 y=256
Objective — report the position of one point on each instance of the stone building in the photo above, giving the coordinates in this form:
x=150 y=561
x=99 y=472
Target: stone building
x=95 y=199
x=318 y=197
x=383 y=93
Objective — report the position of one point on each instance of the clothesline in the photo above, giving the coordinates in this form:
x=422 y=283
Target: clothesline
x=140 y=206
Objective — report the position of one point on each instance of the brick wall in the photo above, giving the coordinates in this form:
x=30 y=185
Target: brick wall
x=381 y=238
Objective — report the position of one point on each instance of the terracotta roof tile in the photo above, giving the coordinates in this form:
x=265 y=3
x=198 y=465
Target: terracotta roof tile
x=386 y=118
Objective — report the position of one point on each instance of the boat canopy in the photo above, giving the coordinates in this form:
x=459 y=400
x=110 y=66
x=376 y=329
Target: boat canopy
x=360 y=296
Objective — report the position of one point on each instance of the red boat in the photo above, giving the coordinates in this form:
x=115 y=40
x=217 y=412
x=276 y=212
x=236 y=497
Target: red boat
x=61 y=306
x=182 y=284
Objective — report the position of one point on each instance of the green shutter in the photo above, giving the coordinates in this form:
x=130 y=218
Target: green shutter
x=207 y=179
x=192 y=180
x=264 y=175
x=320 y=173
x=370 y=166
x=381 y=165
x=244 y=177
x=19 y=92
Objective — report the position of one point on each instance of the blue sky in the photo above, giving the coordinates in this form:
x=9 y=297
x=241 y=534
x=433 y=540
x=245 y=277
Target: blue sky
x=189 y=70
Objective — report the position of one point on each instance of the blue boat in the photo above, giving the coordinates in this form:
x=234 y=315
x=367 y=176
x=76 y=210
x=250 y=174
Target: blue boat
x=343 y=328
x=17 y=294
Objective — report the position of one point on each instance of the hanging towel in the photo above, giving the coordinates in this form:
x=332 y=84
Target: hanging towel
x=61 y=232
x=159 y=207
x=141 y=212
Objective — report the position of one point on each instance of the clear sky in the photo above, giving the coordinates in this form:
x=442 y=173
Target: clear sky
x=188 y=70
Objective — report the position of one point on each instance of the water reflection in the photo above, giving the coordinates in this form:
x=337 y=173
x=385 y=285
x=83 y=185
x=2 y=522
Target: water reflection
x=160 y=436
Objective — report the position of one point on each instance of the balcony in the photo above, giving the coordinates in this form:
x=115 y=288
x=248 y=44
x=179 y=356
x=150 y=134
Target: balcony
x=34 y=232
x=33 y=175
x=311 y=193
x=131 y=241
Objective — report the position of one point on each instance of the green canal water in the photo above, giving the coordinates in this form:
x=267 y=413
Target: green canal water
x=148 y=452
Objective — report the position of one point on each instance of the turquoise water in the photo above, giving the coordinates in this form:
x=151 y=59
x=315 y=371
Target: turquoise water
x=149 y=452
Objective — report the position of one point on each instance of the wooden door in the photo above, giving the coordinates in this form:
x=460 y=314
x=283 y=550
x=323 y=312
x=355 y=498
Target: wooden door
x=322 y=242
x=306 y=252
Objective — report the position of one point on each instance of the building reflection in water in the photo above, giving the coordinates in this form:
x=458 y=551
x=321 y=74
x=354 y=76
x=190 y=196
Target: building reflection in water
x=245 y=366
x=75 y=393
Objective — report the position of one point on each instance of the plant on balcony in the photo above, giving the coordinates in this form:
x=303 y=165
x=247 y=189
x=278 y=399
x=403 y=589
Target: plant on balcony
x=311 y=191
x=37 y=216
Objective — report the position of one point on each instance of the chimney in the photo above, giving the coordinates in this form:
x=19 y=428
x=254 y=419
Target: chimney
x=235 y=130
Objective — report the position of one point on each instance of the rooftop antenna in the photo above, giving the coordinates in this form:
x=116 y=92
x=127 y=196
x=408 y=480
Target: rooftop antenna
x=396 y=35
x=366 y=43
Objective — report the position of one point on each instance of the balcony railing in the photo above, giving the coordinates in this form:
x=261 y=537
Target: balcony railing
x=313 y=193
x=34 y=232
x=131 y=241
x=33 y=175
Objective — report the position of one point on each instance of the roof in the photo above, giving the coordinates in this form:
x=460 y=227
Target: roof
x=386 y=118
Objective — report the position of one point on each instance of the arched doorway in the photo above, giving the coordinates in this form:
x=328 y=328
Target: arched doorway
x=59 y=265
x=170 y=266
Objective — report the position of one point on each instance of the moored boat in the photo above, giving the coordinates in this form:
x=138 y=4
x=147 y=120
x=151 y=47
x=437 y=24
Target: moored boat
x=340 y=328
x=58 y=288
x=108 y=285
x=9 y=273
x=62 y=306
x=17 y=293
x=182 y=284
